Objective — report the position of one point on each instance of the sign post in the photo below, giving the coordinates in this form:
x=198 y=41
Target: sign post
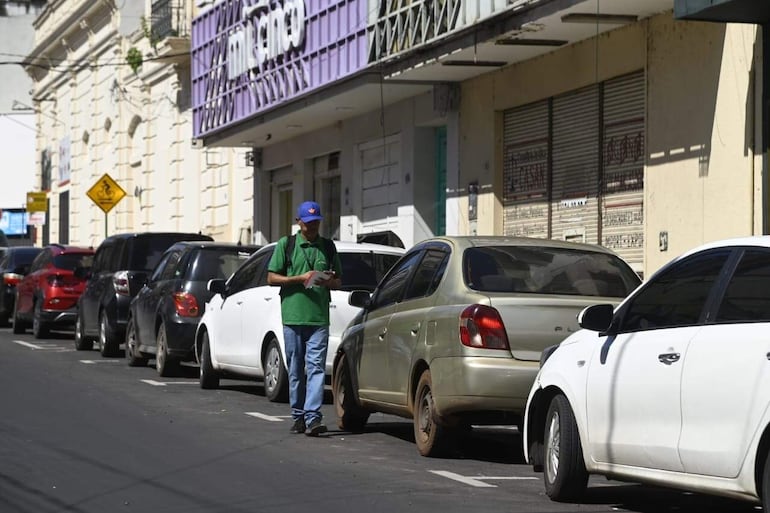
x=106 y=193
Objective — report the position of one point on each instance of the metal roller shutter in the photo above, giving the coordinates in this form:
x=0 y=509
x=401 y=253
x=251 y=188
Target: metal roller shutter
x=525 y=171
x=575 y=213
x=623 y=171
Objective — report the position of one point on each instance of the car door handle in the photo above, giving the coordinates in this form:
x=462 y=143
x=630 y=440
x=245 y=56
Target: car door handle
x=383 y=333
x=416 y=328
x=268 y=298
x=668 y=358
x=239 y=303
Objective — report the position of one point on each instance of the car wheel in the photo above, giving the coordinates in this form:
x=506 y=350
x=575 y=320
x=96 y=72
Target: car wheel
x=350 y=416
x=18 y=324
x=40 y=328
x=432 y=438
x=108 y=346
x=766 y=484
x=164 y=363
x=564 y=470
x=209 y=378
x=82 y=343
x=133 y=356
x=276 y=375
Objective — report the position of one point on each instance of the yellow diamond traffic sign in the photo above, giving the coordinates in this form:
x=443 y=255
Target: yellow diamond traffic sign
x=106 y=193
x=37 y=202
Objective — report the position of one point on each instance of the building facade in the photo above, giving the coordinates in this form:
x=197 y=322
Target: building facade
x=615 y=123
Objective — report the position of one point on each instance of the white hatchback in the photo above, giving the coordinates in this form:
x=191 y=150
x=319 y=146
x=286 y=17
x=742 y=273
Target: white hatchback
x=241 y=334
x=670 y=388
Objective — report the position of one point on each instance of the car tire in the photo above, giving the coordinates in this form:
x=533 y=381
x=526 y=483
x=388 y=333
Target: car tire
x=209 y=378
x=18 y=324
x=276 y=375
x=165 y=364
x=350 y=415
x=40 y=328
x=564 y=470
x=82 y=343
x=432 y=437
x=766 y=484
x=4 y=320
x=133 y=356
x=108 y=346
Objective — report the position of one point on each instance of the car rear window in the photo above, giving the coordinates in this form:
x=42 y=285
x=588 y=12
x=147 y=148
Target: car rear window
x=71 y=261
x=24 y=256
x=547 y=271
x=145 y=252
x=363 y=271
x=217 y=263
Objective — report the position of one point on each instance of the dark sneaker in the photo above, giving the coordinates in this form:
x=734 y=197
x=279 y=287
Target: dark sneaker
x=315 y=428
x=298 y=427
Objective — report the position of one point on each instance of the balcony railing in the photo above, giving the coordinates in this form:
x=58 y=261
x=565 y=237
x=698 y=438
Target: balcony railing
x=169 y=19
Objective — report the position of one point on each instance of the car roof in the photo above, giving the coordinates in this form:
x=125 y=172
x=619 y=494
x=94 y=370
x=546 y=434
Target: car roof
x=69 y=249
x=467 y=241
x=204 y=244
x=192 y=236
x=360 y=247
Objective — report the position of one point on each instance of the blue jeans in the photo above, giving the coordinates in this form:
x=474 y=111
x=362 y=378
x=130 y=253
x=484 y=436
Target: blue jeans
x=306 y=354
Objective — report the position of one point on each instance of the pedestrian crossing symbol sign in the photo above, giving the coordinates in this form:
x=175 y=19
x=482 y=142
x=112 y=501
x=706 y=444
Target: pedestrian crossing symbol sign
x=106 y=193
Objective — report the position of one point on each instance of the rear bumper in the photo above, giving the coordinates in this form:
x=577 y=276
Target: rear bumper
x=67 y=316
x=180 y=336
x=481 y=385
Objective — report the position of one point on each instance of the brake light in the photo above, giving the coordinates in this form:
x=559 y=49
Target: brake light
x=186 y=305
x=481 y=326
x=55 y=280
x=120 y=282
x=11 y=279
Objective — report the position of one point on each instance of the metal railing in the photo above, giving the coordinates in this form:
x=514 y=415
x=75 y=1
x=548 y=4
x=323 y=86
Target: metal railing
x=169 y=19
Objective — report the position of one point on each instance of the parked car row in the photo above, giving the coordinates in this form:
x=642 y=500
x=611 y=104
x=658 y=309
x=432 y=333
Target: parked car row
x=661 y=382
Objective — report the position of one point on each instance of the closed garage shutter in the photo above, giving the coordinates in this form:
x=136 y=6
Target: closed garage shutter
x=525 y=171
x=380 y=183
x=623 y=180
x=575 y=212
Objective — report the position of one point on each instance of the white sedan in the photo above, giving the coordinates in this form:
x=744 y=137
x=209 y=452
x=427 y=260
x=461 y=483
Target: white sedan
x=241 y=334
x=671 y=388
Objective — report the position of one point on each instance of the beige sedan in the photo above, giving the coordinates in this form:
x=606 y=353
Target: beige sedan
x=452 y=335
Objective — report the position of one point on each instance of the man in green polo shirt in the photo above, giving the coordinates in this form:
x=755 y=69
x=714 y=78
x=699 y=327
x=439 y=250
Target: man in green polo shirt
x=305 y=277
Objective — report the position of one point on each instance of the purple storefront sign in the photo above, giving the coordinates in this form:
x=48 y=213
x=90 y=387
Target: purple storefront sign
x=249 y=56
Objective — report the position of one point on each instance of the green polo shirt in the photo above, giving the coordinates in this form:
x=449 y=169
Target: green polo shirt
x=301 y=306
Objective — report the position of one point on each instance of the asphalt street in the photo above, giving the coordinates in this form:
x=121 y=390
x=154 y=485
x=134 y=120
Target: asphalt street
x=82 y=433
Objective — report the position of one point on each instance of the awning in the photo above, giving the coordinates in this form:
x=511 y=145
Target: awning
x=738 y=11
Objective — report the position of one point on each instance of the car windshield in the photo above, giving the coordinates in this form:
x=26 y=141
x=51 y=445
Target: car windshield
x=23 y=256
x=363 y=271
x=542 y=270
x=215 y=263
x=71 y=261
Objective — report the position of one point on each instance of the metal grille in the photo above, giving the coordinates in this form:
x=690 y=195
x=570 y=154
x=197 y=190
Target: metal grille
x=525 y=171
x=380 y=183
x=575 y=213
x=168 y=19
x=623 y=145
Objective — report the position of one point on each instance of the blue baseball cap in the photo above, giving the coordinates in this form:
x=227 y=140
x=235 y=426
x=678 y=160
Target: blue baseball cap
x=309 y=211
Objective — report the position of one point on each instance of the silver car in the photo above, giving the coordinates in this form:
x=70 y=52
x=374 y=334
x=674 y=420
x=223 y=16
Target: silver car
x=452 y=335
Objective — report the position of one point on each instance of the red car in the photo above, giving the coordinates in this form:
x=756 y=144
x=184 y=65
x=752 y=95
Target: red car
x=47 y=296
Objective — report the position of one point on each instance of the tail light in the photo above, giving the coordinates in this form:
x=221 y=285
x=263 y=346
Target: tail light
x=11 y=279
x=481 y=326
x=120 y=282
x=186 y=305
x=55 y=280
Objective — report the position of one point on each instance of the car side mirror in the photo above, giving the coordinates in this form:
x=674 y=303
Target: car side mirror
x=217 y=286
x=359 y=298
x=82 y=272
x=596 y=317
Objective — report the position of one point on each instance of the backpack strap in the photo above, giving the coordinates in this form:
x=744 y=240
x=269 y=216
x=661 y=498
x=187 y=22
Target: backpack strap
x=291 y=240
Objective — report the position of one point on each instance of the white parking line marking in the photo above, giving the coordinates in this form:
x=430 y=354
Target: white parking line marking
x=91 y=362
x=27 y=344
x=266 y=417
x=164 y=383
x=477 y=481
